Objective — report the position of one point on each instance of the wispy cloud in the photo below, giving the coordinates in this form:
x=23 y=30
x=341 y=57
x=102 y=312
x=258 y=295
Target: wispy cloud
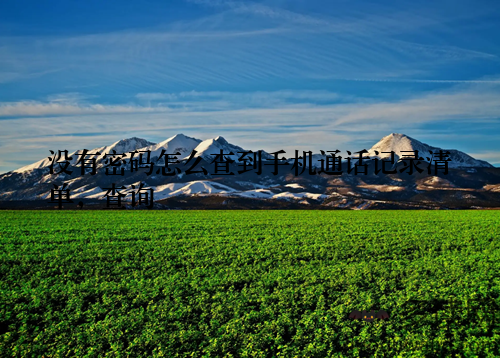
x=264 y=10
x=490 y=156
x=478 y=100
x=472 y=102
x=6 y=77
x=56 y=108
x=243 y=99
x=76 y=104
x=263 y=119
x=403 y=80
x=247 y=43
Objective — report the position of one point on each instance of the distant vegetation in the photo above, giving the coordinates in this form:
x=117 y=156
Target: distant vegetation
x=249 y=283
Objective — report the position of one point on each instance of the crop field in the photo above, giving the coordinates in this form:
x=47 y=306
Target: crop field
x=249 y=283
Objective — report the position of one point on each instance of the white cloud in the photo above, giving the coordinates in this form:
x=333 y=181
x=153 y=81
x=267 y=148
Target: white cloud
x=472 y=102
x=490 y=156
x=253 y=119
x=60 y=107
x=241 y=99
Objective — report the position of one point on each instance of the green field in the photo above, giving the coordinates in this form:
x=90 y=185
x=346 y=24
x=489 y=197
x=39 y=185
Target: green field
x=249 y=283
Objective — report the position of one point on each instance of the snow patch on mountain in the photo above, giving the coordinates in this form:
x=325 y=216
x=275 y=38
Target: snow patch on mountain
x=294 y=186
x=257 y=193
x=303 y=195
x=191 y=188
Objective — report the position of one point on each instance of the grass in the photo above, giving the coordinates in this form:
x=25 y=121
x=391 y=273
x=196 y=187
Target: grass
x=249 y=283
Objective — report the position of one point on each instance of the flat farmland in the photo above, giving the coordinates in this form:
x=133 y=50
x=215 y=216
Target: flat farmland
x=249 y=283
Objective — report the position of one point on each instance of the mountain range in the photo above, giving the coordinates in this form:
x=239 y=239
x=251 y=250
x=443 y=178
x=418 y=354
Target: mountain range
x=470 y=183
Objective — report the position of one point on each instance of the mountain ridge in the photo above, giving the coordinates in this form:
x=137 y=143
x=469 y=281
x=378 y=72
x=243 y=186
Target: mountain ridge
x=475 y=178
x=185 y=145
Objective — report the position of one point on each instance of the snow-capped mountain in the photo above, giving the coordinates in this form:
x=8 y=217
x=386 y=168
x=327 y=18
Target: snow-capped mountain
x=478 y=178
x=401 y=143
x=121 y=146
x=179 y=143
x=208 y=147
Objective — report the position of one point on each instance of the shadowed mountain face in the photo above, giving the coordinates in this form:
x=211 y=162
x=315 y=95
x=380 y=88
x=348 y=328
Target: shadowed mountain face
x=469 y=183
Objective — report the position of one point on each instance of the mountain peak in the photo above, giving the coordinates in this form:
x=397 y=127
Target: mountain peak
x=177 y=143
x=212 y=146
x=133 y=140
x=397 y=142
x=220 y=140
x=126 y=145
x=180 y=136
x=398 y=136
x=403 y=145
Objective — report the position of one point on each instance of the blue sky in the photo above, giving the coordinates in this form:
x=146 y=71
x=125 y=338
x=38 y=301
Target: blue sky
x=295 y=74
